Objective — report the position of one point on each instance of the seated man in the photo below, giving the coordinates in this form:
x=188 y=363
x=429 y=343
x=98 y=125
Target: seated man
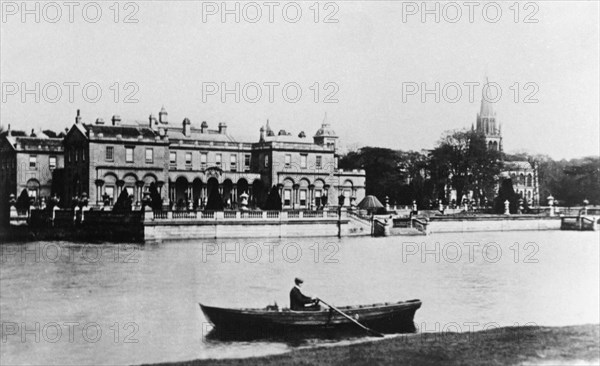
x=300 y=302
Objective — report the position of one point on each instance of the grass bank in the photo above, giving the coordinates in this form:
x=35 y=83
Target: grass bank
x=572 y=345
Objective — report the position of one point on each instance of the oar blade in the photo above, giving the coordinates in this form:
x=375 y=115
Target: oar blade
x=368 y=330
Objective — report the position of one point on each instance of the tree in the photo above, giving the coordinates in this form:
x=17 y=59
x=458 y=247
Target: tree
x=214 y=201
x=569 y=181
x=273 y=200
x=399 y=175
x=23 y=202
x=382 y=174
x=463 y=161
x=123 y=203
x=506 y=192
x=156 y=199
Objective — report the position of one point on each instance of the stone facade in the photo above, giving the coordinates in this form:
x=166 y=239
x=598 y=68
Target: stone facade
x=102 y=160
x=28 y=161
x=306 y=171
x=525 y=180
x=188 y=162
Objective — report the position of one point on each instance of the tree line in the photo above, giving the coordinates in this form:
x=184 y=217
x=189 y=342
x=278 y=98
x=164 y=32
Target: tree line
x=461 y=160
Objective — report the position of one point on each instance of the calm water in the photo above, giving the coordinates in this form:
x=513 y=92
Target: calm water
x=116 y=304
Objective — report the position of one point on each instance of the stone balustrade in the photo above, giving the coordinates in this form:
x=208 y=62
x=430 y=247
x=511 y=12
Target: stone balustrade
x=239 y=215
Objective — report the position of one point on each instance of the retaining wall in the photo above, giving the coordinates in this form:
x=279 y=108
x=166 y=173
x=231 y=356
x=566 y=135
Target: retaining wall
x=174 y=230
x=492 y=223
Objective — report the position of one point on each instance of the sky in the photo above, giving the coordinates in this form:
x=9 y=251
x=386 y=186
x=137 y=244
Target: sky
x=370 y=66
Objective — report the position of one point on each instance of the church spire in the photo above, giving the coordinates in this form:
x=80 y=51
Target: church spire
x=487 y=109
x=486 y=119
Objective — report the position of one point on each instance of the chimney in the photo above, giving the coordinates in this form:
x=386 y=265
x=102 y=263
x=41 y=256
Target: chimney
x=203 y=127
x=78 y=117
x=222 y=128
x=8 y=131
x=116 y=120
x=100 y=121
x=152 y=122
x=32 y=133
x=163 y=116
x=187 y=127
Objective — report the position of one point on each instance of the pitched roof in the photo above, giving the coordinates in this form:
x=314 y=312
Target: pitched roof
x=125 y=131
x=175 y=134
x=27 y=143
x=288 y=138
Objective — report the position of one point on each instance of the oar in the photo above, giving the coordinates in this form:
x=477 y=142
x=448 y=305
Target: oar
x=369 y=330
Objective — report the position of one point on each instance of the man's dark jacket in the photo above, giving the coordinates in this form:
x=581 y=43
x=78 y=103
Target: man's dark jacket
x=298 y=300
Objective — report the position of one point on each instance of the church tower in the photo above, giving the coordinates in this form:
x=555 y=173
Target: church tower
x=486 y=123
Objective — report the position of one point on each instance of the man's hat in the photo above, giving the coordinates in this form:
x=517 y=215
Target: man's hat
x=298 y=280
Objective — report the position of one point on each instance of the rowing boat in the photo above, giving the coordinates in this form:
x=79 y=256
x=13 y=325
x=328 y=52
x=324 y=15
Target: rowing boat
x=383 y=317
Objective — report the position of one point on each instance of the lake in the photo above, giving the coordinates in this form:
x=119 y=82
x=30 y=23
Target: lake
x=70 y=303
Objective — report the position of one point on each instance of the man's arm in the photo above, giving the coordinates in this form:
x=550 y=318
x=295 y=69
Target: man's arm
x=301 y=298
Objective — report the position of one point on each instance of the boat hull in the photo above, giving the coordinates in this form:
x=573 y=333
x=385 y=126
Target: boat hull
x=386 y=318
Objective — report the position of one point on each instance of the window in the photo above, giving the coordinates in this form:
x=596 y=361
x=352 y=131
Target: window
x=188 y=158
x=150 y=155
x=287 y=197
x=218 y=160
x=129 y=191
x=82 y=155
x=288 y=160
x=303 y=198
x=52 y=162
x=129 y=154
x=266 y=161
x=110 y=192
x=318 y=197
x=76 y=153
x=319 y=161
x=110 y=153
x=32 y=161
x=247 y=162
x=303 y=161
x=173 y=157
x=203 y=160
x=233 y=162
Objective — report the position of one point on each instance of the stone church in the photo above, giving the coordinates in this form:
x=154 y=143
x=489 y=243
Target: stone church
x=523 y=173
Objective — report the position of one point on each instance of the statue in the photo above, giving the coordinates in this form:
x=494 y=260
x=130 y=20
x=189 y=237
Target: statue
x=520 y=210
x=551 y=204
x=244 y=201
x=507 y=207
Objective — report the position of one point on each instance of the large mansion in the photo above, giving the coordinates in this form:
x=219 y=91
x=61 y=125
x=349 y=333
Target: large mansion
x=186 y=162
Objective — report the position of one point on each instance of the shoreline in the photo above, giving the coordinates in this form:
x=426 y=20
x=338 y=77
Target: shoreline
x=133 y=227
x=535 y=345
